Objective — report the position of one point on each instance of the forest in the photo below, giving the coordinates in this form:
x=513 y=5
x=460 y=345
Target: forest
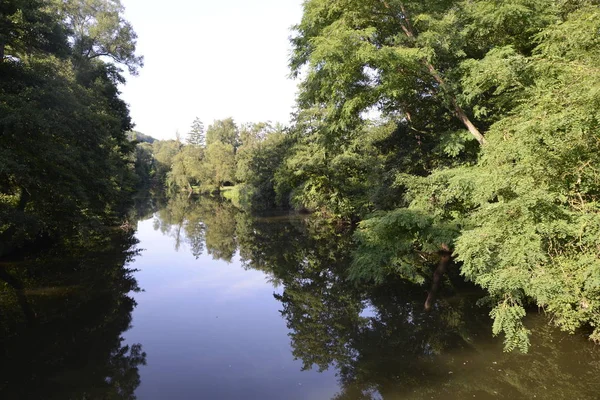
x=447 y=135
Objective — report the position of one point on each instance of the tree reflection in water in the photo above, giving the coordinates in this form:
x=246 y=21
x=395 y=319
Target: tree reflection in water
x=379 y=338
x=62 y=315
x=200 y=222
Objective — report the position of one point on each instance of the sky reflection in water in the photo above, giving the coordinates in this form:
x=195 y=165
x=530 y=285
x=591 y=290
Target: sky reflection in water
x=212 y=329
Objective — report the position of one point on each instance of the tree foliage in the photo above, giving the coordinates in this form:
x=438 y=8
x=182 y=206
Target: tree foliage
x=523 y=218
x=67 y=164
x=196 y=135
x=98 y=30
x=225 y=131
x=28 y=27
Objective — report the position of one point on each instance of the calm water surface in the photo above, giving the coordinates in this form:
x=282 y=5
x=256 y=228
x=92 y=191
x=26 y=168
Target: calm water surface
x=213 y=303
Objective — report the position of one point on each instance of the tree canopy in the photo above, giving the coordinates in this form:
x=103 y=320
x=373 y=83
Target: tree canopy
x=66 y=160
x=98 y=30
x=520 y=217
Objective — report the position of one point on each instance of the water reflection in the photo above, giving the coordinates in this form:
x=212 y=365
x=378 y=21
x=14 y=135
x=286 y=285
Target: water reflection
x=214 y=326
x=62 y=315
x=200 y=222
x=378 y=338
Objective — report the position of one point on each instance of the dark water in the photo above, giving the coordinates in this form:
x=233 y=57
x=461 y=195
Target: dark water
x=238 y=307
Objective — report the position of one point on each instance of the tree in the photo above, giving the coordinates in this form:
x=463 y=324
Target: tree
x=186 y=167
x=196 y=135
x=523 y=218
x=144 y=164
x=540 y=219
x=220 y=161
x=224 y=131
x=361 y=55
x=263 y=151
x=164 y=151
x=68 y=166
x=99 y=31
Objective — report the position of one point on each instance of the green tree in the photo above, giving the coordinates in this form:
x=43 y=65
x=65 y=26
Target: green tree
x=144 y=164
x=99 y=30
x=29 y=27
x=67 y=162
x=186 y=167
x=220 y=162
x=386 y=54
x=69 y=165
x=224 y=131
x=523 y=218
x=196 y=135
x=261 y=154
x=164 y=151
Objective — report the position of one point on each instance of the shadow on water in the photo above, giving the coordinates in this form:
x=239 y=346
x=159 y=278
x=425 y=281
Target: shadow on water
x=62 y=314
x=379 y=338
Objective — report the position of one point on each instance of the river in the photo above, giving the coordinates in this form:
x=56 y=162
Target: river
x=207 y=302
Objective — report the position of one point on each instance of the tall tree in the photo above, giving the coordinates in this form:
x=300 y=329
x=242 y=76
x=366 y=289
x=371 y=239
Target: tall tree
x=398 y=56
x=523 y=220
x=224 y=131
x=220 y=160
x=186 y=167
x=99 y=31
x=67 y=162
x=196 y=134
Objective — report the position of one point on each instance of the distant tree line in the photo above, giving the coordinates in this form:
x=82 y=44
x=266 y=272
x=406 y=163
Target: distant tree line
x=224 y=154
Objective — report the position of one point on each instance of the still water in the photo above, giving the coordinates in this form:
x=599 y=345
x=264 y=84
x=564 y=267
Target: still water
x=206 y=302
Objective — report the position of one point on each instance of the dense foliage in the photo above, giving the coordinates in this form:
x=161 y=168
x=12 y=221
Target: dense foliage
x=519 y=211
x=459 y=133
x=247 y=156
x=66 y=164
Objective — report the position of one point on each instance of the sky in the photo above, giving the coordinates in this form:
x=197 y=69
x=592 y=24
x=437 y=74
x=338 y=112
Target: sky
x=212 y=60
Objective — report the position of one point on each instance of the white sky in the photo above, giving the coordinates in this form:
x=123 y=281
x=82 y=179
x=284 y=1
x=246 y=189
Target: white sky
x=211 y=59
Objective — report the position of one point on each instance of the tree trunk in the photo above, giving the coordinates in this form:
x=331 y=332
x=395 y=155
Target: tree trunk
x=408 y=30
x=460 y=113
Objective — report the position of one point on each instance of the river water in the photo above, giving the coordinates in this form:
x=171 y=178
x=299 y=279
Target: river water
x=207 y=302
